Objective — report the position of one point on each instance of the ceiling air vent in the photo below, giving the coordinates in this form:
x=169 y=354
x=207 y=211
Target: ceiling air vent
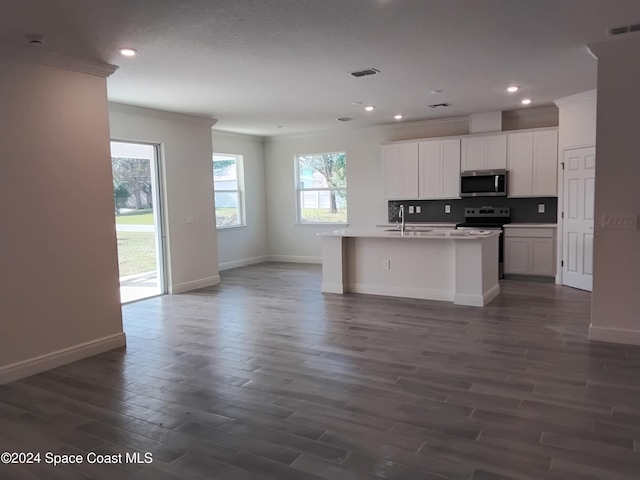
x=364 y=73
x=625 y=29
x=439 y=105
x=344 y=119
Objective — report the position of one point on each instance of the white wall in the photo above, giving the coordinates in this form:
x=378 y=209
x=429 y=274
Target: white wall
x=59 y=290
x=615 y=312
x=366 y=203
x=577 y=120
x=239 y=246
x=187 y=178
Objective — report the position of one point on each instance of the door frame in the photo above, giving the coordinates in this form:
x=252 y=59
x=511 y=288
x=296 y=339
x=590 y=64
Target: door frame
x=560 y=220
x=159 y=217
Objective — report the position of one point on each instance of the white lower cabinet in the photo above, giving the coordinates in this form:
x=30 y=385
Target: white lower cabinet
x=530 y=250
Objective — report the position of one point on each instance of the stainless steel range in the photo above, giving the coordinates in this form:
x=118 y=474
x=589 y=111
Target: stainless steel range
x=488 y=218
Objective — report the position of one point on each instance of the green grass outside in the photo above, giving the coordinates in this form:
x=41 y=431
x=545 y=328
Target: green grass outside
x=323 y=215
x=137 y=217
x=136 y=252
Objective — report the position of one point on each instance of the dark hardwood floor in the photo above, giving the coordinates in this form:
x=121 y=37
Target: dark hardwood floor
x=265 y=377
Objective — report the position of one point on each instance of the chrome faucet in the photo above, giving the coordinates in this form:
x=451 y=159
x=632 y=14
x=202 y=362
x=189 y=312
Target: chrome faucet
x=401 y=215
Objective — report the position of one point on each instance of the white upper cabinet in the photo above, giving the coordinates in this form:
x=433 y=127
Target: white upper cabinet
x=439 y=168
x=400 y=170
x=533 y=163
x=488 y=152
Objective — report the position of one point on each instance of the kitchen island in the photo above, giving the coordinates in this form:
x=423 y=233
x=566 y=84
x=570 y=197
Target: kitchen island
x=458 y=266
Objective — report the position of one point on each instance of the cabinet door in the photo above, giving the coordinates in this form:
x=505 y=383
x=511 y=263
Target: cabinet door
x=473 y=153
x=430 y=169
x=400 y=170
x=516 y=255
x=496 y=152
x=542 y=256
x=545 y=164
x=392 y=171
x=520 y=164
x=450 y=158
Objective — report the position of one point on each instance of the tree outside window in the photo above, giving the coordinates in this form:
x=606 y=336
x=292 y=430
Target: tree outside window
x=322 y=188
x=227 y=184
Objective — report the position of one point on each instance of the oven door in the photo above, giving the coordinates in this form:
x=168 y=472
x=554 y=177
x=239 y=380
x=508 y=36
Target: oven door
x=483 y=184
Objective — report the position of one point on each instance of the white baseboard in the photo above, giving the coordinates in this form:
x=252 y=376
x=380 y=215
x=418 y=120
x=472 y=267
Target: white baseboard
x=195 y=284
x=242 y=262
x=294 y=259
x=26 y=368
x=614 y=335
x=332 y=288
x=477 y=300
x=407 y=292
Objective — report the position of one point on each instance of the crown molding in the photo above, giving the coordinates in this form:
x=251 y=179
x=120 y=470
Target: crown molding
x=44 y=56
x=161 y=114
x=577 y=98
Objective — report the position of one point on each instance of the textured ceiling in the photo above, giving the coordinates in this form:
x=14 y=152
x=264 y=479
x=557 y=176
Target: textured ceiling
x=256 y=65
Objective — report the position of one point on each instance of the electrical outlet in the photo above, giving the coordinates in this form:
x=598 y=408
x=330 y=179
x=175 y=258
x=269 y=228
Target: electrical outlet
x=447 y=209
x=418 y=209
x=620 y=220
x=410 y=208
x=190 y=218
x=541 y=208
x=386 y=264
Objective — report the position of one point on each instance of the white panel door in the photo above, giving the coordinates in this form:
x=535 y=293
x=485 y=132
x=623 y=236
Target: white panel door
x=516 y=255
x=409 y=162
x=400 y=170
x=392 y=171
x=520 y=164
x=577 y=244
x=473 y=153
x=545 y=164
x=450 y=157
x=496 y=152
x=430 y=169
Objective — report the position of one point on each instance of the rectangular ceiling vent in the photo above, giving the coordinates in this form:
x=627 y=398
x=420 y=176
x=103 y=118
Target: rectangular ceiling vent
x=439 y=105
x=364 y=73
x=625 y=29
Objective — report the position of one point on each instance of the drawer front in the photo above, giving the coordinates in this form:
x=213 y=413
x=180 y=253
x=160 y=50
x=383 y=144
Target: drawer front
x=511 y=232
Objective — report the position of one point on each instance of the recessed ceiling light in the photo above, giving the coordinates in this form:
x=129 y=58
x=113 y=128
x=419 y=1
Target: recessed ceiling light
x=369 y=108
x=526 y=101
x=513 y=89
x=128 y=52
x=398 y=117
x=433 y=92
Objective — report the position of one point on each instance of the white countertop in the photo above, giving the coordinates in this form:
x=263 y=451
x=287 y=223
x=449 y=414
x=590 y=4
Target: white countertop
x=424 y=233
x=422 y=224
x=531 y=225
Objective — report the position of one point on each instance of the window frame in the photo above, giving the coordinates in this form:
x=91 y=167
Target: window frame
x=239 y=166
x=298 y=190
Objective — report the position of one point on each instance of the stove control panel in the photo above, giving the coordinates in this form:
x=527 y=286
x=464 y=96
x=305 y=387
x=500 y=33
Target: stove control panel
x=480 y=212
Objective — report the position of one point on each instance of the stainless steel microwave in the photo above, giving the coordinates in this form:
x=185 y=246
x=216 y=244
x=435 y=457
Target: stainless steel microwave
x=483 y=183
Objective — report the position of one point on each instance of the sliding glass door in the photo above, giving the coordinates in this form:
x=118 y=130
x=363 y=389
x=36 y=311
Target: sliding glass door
x=136 y=191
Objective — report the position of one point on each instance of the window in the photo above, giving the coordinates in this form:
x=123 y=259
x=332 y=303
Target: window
x=227 y=183
x=322 y=188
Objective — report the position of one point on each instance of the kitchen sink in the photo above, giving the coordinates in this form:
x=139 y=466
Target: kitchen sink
x=410 y=229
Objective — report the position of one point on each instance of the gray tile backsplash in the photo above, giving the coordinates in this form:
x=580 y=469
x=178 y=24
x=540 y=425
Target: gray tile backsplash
x=523 y=210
